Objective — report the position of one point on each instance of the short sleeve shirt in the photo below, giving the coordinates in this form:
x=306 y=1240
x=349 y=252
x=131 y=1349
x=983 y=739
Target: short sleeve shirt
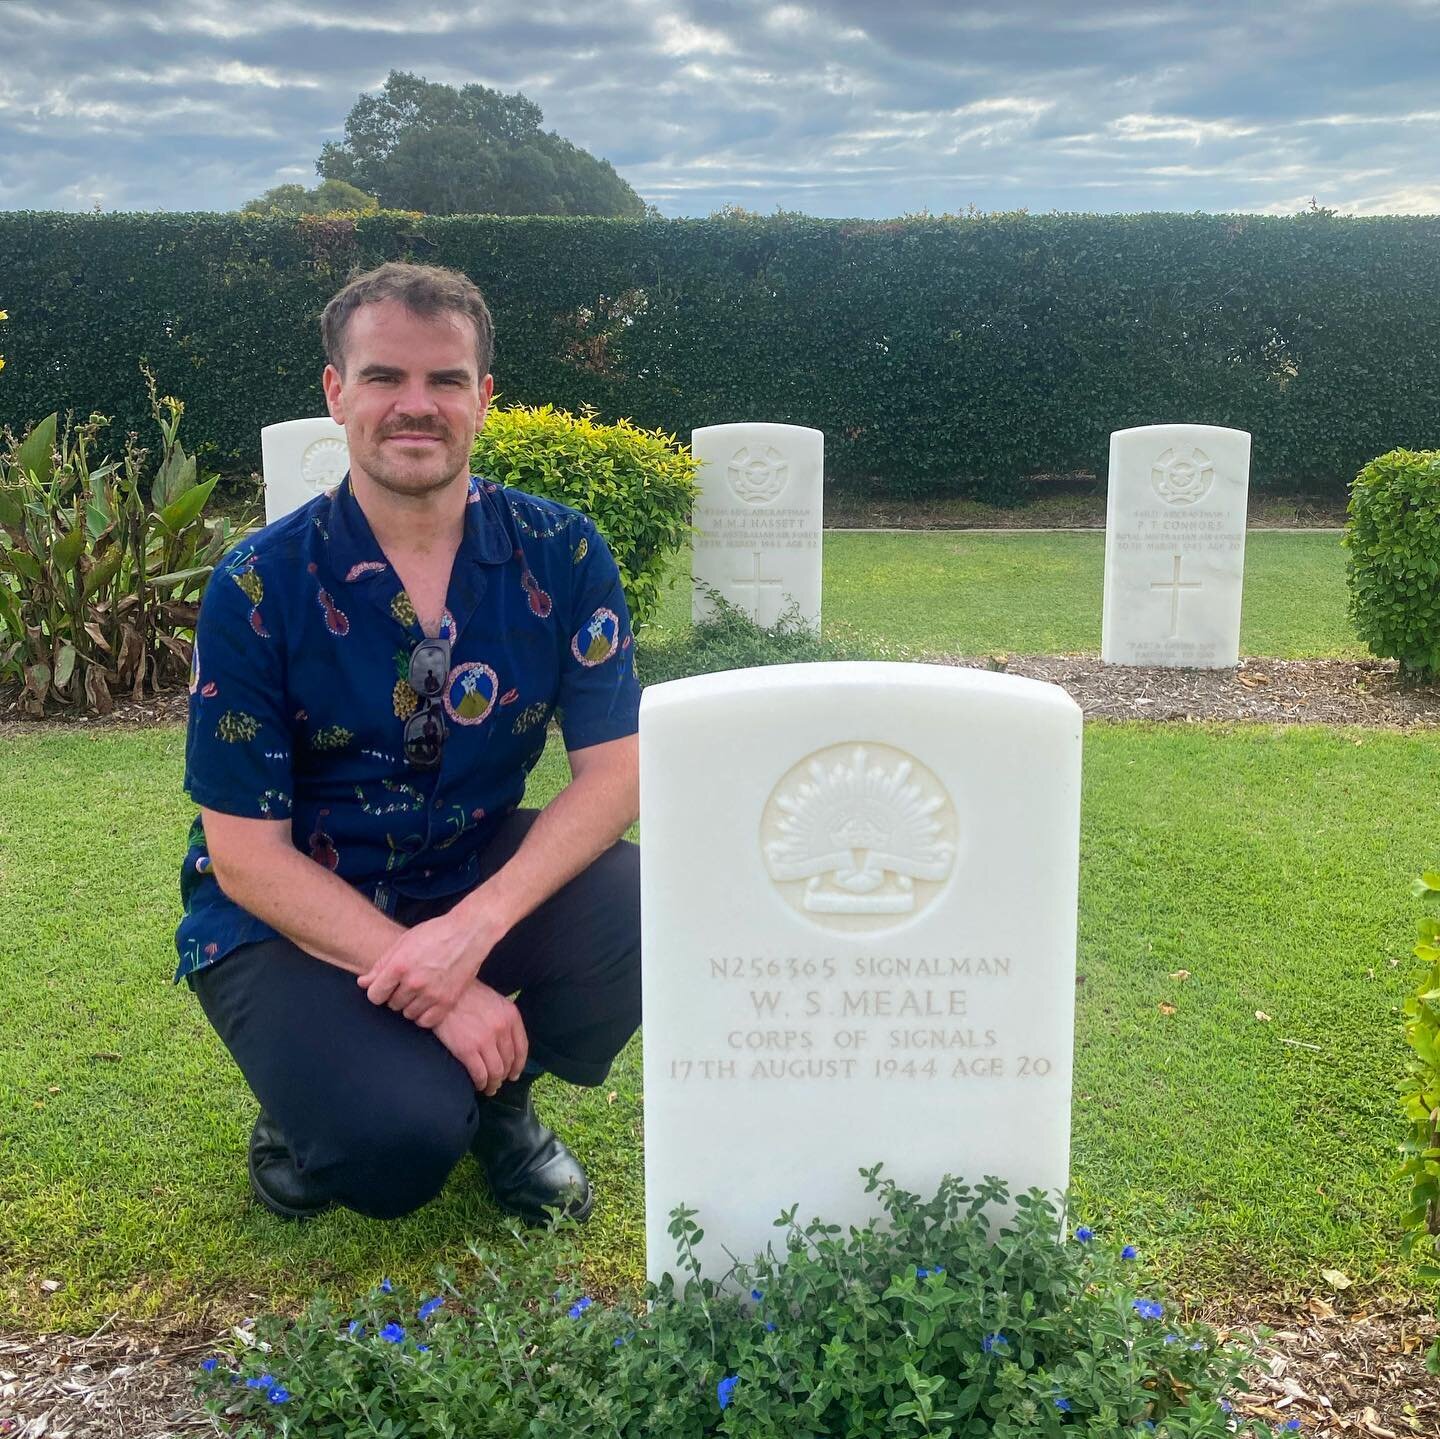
x=299 y=694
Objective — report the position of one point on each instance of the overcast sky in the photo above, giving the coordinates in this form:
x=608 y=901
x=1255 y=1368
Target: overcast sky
x=846 y=107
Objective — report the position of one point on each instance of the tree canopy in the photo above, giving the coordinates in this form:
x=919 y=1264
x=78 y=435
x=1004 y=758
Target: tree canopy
x=419 y=145
x=326 y=198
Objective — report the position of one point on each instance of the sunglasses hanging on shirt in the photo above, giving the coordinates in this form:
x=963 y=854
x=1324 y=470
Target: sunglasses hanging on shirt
x=425 y=729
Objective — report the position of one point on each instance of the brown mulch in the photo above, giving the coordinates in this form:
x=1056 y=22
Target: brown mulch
x=169 y=708
x=106 y=1386
x=1359 y=1374
x=1257 y=691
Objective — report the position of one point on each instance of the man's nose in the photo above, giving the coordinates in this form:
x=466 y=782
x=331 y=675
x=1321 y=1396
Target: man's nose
x=414 y=397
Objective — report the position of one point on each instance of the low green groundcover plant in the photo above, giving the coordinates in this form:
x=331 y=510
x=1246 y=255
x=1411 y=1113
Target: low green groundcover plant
x=1420 y=1094
x=731 y=640
x=936 y=1319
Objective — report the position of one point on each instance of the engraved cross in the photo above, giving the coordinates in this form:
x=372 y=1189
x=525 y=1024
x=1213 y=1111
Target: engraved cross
x=753 y=583
x=1175 y=585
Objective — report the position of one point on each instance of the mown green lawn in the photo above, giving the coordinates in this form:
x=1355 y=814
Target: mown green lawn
x=1245 y=1154
x=951 y=593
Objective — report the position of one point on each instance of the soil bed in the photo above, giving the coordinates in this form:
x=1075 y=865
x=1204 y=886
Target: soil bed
x=1257 y=691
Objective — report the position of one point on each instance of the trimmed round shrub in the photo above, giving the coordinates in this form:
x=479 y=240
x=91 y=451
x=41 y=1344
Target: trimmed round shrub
x=637 y=485
x=1394 y=570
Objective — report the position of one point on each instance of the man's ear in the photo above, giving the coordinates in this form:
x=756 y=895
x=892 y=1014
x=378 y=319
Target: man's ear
x=334 y=387
x=487 y=390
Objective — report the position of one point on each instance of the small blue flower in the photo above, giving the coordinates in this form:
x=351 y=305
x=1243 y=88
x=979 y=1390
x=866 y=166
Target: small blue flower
x=1226 y=1406
x=393 y=1333
x=993 y=1342
x=423 y=1348
x=725 y=1388
x=1198 y=1347
x=1172 y=1338
x=265 y=1381
x=429 y=1307
x=1148 y=1425
x=278 y=1395
x=357 y=1329
x=1129 y=1252
x=769 y=1326
x=1084 y=1235
x=1292 y=1424
x=580 y=1306
x=1062 y=1404
x=756 y=1295
x=1148 y=1308
x=208 y=1365
x=923 y=1273
x=386 y=1287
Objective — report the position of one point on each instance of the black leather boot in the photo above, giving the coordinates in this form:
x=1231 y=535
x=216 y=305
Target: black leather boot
x=275 y=1179
x=526 y=1166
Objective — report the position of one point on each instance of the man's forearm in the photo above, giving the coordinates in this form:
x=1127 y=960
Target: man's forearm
x=567 y=836
x=311 y=907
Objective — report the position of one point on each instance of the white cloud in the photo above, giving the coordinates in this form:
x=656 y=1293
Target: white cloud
x=1177 y=127
x=683 y=37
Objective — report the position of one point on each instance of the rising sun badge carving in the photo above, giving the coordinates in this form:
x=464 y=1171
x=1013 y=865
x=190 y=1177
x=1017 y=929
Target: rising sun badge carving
x=859 y=836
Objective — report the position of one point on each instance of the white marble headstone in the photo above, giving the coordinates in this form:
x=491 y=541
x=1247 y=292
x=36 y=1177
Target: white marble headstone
x=858 y=889
x=1175 y=546
x=302 y=459
x=758 y=519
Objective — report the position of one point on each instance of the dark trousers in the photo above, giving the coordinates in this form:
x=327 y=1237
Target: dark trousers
x=375 y=1108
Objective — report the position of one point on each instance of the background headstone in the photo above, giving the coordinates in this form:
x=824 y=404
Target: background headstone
x=858 y=892
x=758 y=516
x=302 y=459
x=1175 y=546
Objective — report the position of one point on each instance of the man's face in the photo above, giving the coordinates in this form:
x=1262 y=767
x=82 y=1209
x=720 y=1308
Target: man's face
x=411 y=398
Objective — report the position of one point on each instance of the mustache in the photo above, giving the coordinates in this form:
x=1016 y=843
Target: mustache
x=416 y=427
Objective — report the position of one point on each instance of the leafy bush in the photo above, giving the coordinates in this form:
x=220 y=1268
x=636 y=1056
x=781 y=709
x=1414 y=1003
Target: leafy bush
x=101 y=562
x=637 y=485
x=1394 y=569
x=928 y=1322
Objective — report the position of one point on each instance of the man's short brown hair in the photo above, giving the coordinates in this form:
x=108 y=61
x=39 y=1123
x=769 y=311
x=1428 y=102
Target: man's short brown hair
x=426 y=290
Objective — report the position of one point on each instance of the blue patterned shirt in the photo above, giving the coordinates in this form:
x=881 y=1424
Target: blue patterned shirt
x=299 y=694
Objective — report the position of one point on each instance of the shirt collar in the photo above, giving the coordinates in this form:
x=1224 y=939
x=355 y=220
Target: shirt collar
x=355 y=553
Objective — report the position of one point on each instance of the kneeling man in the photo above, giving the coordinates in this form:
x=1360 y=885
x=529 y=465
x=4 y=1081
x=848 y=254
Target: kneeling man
x=389 y=946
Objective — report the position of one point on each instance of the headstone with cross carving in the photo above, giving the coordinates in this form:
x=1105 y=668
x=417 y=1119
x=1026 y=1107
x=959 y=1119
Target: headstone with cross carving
x=858 y=901
x=1175 y=546
x=302 y=459
x=758 y=520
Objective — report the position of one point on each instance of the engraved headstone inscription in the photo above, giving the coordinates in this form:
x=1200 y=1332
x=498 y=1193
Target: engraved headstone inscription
x=1175 y=546
x=758 y=519
x=858 y=902
x=302 y=459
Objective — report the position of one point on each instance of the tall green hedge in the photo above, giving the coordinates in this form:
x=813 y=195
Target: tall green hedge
x=934 y=354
